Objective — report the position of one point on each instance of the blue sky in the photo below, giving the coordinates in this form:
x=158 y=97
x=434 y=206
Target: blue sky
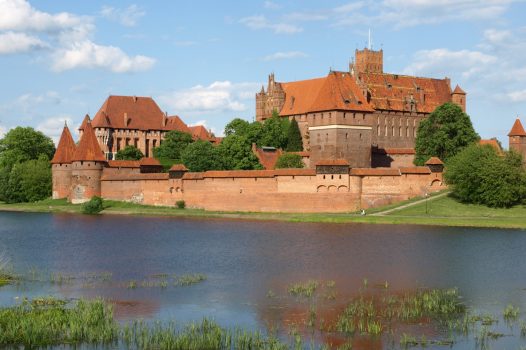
x=205 y=60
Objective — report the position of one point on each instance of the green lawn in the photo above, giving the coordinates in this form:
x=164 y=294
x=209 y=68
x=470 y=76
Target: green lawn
x=444 y=211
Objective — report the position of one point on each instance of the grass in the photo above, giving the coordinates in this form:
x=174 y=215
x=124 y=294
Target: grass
x=444 y=211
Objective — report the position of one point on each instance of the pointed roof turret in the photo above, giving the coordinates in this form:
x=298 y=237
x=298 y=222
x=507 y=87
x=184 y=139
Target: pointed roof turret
x=88 y=148
x=517 y=129
x=66 y=148
x=459 y=91
x=84 y=122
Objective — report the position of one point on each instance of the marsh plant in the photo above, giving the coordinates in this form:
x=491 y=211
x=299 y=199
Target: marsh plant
x=6 y=277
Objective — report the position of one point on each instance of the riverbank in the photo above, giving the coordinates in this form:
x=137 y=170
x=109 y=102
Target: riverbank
x=439 y=210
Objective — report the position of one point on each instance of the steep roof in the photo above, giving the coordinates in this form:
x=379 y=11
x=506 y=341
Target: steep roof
x=66 y=148
x=88 y=148
x=517 y=129
x=336 y=91
x=178 y=167
x=199 y=132
x=392 y=91
x=267 y=159
x=458 y=90
x=137 y=113
x=434 y=161
x=84 y=122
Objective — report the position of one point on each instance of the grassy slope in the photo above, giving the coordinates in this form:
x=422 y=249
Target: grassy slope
x=444 y=211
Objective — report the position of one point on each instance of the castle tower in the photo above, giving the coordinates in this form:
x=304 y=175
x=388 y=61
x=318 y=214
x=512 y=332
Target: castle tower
x=517 y=138
x=458 y=97
x=83 y=125
x=61 y=166
x=88 y=162
x=368 y=61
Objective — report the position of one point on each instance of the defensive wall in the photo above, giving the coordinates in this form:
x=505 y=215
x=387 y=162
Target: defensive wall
x=333 y=188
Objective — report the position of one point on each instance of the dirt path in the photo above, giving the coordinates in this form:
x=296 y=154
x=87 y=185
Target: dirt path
x=389 y=211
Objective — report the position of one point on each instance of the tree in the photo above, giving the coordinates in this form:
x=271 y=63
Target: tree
x=289 y=160
x=201 y=156
x=19 y=146
x=29 y=181
x=274 y=132
x=173 y=145
x=240 y=127
x=443 y=134
x=479 y=175
x=94 y=206
x=129 y=153
x=236 y=154
x=294 y=141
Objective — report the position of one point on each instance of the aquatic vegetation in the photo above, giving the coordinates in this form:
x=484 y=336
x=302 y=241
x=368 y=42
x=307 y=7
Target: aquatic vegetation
x=511 y=313
x=5 y=276
x=132 y=284
x=305 y=290
x=271 y=294
x=190 y=279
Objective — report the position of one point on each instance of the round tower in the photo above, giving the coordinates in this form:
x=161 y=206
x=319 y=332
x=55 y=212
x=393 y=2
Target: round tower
x=61 y=166
x=87 y=165
x=517 y=139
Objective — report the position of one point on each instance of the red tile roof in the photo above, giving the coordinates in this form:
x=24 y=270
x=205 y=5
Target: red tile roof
x=149 y=161
x=268 y=159
x=415 y=170
x=493 y=143
x=333 y=162
x=517 y=129
x=66 y=148
x=336 y=91
x=135 y=177
x=458 y=90
x=400 y=151
x=375 y=172
x=302 y=153
x=295 y=172
x=88 y=148
x=434 y=161
x=193 y=176
x=123 y=163
x=175 y=123
x=391 y=91
x=84 y=122
x=178 y=167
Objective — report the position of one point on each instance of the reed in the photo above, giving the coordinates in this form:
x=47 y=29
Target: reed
x=306 y=289
x=190 y=279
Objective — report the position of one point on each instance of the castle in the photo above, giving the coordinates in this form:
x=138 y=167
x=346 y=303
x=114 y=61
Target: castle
x=364 y=116
x=358 y=128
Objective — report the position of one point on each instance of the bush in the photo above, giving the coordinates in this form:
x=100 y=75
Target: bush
x=129 y=153
x=289 y=160
x=180 y=204
x=94 y=206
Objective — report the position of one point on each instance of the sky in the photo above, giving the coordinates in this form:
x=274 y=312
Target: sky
x=205 y=60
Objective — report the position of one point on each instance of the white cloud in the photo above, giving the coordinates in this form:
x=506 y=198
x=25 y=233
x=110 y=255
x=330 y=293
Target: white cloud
x=87 y=54
x=52 y=127
x=440 y=62
x=19 y=15
x=261 y=22
x=271 y=5
x=127 y=17
x=218 y=96
x=517 y=96
x=306 y=16
x=285 y=55
x=11 y=42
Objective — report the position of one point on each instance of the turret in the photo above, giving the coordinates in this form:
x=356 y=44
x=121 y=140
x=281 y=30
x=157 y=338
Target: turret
x=368 y=61
x=458 y=97
x=83 y=125
x=61 y=166
x=517 y=139
x=88 y=162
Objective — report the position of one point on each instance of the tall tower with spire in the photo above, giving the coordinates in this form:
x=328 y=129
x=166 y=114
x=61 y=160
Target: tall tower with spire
x=87 y=164
x=517 y=138
x=61 y=166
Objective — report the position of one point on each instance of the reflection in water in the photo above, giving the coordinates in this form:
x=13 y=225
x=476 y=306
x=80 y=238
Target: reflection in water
x=244 y=260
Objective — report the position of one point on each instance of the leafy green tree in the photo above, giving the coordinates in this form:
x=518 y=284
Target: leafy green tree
x=274 y=132
x=129 y=153
x=443 y=134
x=479 y=175
x=94 y=206
x=236 y=154
x=29 y=181
x=201 y=156
x=237 y=126
x=173 y=145
x=294 y=141
x=289 y=160
x=20 y=145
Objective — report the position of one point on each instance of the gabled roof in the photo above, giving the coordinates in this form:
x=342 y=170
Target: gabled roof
x=178 y=167
x=336 y=91
x=66 y=148
x=175 y=123
x=392 y=91
x=517 y=129
x=88 y=148
x=434 y=161
x=458 y=90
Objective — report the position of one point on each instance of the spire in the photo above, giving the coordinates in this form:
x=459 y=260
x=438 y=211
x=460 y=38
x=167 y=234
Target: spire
x=459 y=91
x=517 y=129
x=88 y=148
x=66 y=148
x=84 y=122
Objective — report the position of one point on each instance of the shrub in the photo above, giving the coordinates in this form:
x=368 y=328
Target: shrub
x=180 y=204
x=129 y=153
x=289 y=160
x=94 y=206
